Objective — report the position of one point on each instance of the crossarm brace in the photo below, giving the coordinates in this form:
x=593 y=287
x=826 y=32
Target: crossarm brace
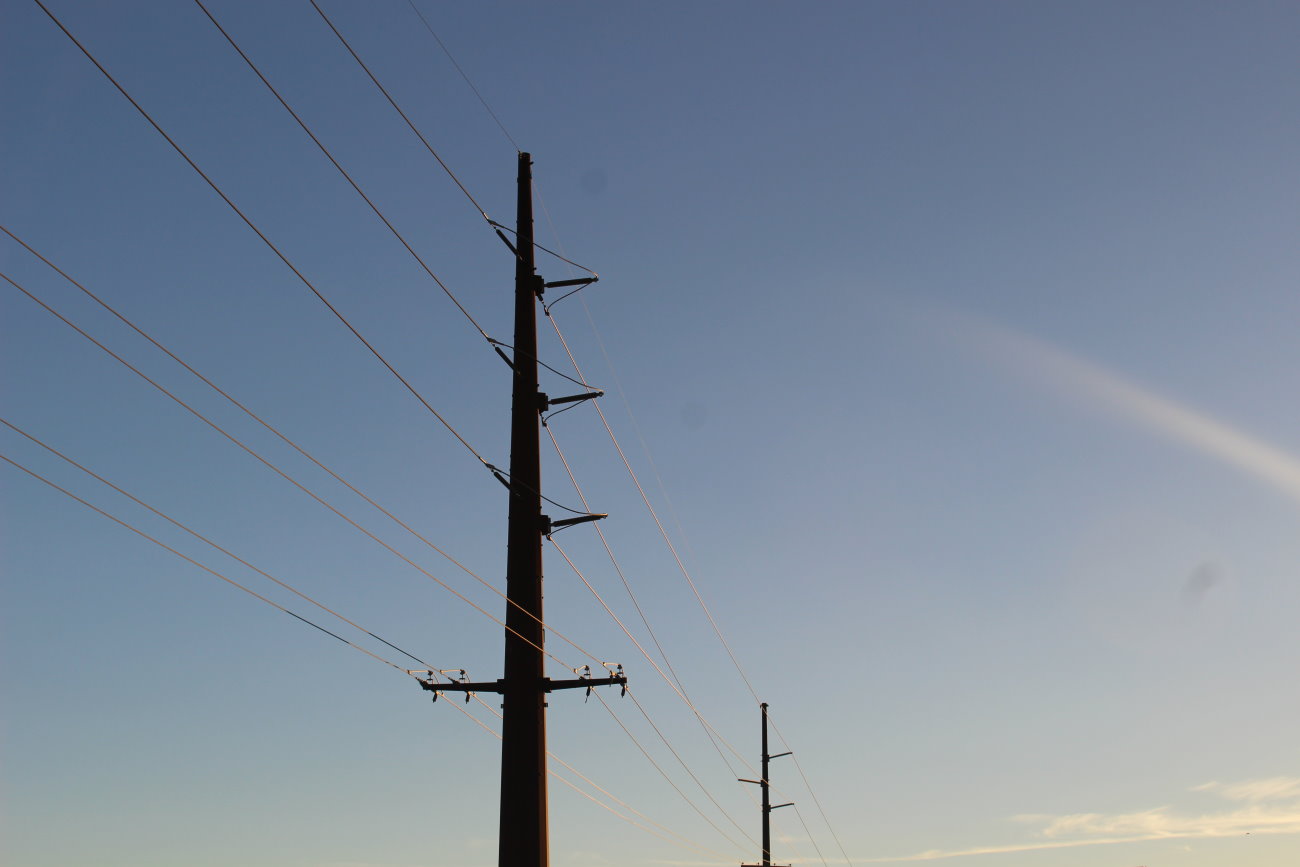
x=547 y=684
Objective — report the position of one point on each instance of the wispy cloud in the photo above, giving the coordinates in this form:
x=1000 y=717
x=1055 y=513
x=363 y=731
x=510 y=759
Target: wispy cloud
x=1270 y=789
x=1161 y=415
x=1261 y=806
x=1270 y=806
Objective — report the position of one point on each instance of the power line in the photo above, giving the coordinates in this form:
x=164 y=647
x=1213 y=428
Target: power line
x=808 y=832
x=655 y=515
x=299 y=617
x=425 y=141
x=686 y=767
x=663 y=836
x=669 y=543
x=380 y=357
x=674 y=682
x=636 y=427
x=570 y=783
x=645 y=448
x=664 y=774
x=170 y=354
x=285 y=475
x=608 y=793
x=547 y=249
x=710 y=732
x=574 y=786
x=306 y=282
x=443 y=46
x=343 y=171
x=206 y=540
x=398 y=108
x=194 y=562
x=543 y=364
x=686 y=574
x=816 y=800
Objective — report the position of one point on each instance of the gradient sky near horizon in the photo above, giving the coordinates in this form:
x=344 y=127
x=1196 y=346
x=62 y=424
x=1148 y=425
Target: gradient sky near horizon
x=954 y=344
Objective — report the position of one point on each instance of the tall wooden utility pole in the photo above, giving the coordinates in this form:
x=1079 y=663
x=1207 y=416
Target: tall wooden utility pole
x=523 y=708
x=524 y=838
x=765 y=785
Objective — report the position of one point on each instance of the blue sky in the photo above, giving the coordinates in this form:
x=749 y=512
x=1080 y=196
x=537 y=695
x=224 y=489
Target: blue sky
x=952 y=343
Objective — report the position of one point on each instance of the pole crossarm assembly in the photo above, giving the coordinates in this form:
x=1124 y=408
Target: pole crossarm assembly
x=547 y=685
x=768 y=806
x=524 y=835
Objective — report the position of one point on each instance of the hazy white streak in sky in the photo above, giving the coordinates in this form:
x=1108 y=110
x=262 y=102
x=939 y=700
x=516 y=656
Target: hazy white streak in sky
x=1084 y=378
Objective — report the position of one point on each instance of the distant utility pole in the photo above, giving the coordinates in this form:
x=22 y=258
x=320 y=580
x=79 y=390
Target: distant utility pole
x=524 y=838
x=765 y=785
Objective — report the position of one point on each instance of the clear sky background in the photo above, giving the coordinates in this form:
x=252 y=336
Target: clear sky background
x=954 y=343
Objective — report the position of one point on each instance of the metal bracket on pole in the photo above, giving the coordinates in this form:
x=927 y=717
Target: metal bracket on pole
x=546 y=401
x=581 y=281
x=549 y=526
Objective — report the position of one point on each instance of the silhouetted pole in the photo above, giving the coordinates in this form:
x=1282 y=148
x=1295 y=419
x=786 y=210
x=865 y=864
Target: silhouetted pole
x=766 y=786
x=524 y=839
x=524 y=835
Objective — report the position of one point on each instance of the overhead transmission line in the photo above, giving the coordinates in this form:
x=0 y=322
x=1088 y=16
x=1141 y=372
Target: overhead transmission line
x=551 y=772
x=484 y=214
x=424 y=140
x=271 y=466
x=606 y=792
x=552 y=253
x=809 y=834
x=500 y=227
x=675 y=682
x=446 y=51
x=207 y=569
x=215 y=573
x=168 y=518
x=398 y=108
x=501 y=475
x=658 y=523
x=710 y=732
x=641 y=490
x=713 y=735
x=699 y=599
x=681 y=566
x=356 y=333
x=267 y=425
x=342 y=171
x=664 y=739
x=664 y=774
x=247 y=221
x=816 y=800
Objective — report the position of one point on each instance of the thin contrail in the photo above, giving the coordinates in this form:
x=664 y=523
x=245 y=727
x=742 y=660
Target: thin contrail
x=1210 y=436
